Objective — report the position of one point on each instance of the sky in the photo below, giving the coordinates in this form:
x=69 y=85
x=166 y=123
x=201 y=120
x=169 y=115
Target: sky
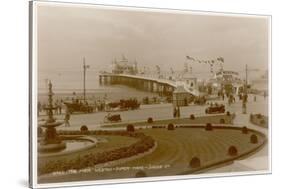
x=66 y=34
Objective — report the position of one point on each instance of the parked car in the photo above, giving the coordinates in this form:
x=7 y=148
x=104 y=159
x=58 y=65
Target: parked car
x=123 y=104
x=78 y=107
x=112 y=118
x=214 y=109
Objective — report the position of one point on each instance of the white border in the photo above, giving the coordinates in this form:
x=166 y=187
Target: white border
x=34 y=93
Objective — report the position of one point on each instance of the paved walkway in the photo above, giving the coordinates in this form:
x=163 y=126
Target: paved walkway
x=259 y=160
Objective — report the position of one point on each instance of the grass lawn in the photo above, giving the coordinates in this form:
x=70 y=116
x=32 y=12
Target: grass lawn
x=174 y=151
x=176 y=148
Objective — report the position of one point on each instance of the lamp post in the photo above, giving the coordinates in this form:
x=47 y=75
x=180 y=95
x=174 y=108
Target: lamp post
x=84 y=78
x=244 y=100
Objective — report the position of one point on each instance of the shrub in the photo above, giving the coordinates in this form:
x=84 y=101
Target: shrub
x=150 y=120
x=130 y=128
x=195 y=162
x=140 y=174
x=228 y=113
x=259 y=116
x=171 y=126
x=84 y=128
x=254 y=139
x=209 y=127
x=232 y=151
x=244 y=130
x=222 y=121
x=192 y=117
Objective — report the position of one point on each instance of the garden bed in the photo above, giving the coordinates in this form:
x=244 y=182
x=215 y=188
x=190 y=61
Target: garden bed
x=176 y=148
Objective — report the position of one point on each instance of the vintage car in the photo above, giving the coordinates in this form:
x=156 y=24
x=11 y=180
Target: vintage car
x=112 y=118
x=130 y=104
x=215 y=109
x=78 y=107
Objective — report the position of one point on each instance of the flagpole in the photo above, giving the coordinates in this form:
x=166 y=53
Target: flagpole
x=84 y=79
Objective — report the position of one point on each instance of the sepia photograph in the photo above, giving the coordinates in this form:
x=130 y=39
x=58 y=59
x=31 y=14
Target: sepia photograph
x=126 y=94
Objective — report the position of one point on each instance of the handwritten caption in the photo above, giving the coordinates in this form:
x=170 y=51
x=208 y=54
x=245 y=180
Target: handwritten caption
x=112 y=169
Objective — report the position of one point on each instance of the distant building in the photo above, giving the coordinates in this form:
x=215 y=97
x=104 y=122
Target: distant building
x=228 y=81
x=181 y=96
x=227 y=76
x=189 y=82
x=123 y=66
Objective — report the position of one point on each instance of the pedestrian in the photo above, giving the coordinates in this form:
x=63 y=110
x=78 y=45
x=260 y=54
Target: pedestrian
x=56 y=108
x=175 y=112
x=240 y=96
x=178 y=112
x=229 y=101
x=67 y=118
x=59 y=108
x=255 y=98
x=39 y=108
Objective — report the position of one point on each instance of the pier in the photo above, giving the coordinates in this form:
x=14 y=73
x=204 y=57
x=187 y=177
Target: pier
x=163 y=87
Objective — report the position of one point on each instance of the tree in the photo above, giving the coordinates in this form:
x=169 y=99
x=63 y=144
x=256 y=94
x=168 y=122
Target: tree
x=254 y=139
x=232 y=151
x=245 y=130
x=209 y=127
x=192 y=117
x=84 y=129
x=222 y=121
x=171 y=126
x=130 y=128
x=150 y=120
x=195 y=162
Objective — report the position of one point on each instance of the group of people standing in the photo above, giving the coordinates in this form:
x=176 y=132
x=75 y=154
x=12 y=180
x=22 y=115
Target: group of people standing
x=41 y=107
x=58 y=107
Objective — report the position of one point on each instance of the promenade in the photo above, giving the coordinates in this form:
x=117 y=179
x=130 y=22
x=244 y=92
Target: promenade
x=165 y=111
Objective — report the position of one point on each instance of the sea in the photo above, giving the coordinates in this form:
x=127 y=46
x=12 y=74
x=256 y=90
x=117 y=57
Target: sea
x=69 y=84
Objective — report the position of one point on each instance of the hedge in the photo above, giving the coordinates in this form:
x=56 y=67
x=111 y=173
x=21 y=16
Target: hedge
x=232 y=151
x=171 y=126
x=195 y=162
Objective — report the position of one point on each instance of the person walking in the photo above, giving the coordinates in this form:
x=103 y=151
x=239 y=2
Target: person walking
x=175 y=112
x=56 y=108
x=39 y=107
x=67 y=118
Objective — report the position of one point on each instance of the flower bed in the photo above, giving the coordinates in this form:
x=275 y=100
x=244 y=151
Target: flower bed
x=142 y=145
